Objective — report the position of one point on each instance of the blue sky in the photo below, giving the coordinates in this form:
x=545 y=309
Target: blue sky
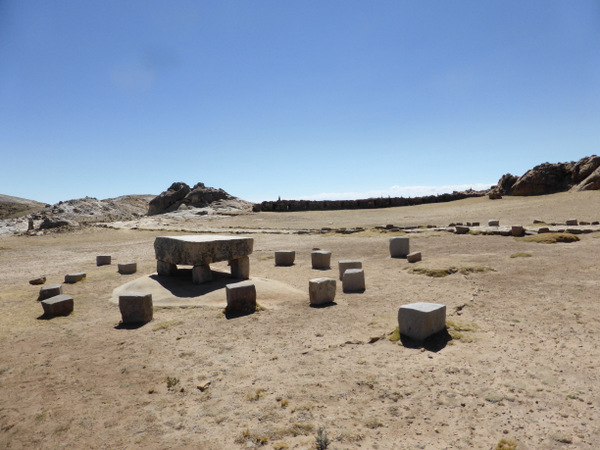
x=298 y=99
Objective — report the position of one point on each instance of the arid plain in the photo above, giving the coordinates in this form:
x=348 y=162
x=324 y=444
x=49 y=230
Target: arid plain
x=519 y=367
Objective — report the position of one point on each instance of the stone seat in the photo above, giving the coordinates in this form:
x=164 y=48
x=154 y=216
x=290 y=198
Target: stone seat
x=135 y=307
x=241 y=298
x=103 y=260
x=399 y=247
x=348 y=264
x=321 y=291
x=74 y=277
x=420 y=320
x=50 y=291
x=413 y=257
x=59 y=305
x=353 y=280
x=127 y=268
x=321 y=259
x=285 y=257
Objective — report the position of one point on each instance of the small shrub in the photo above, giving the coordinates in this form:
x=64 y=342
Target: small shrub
x=255 y=396
x=172 y=382
x=507 y=444
x=373 y=424
x=394 y=336
x=456 y=329
x=322 y=440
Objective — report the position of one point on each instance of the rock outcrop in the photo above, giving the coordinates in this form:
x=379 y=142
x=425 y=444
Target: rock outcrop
x=551 y=178
x=180 y=196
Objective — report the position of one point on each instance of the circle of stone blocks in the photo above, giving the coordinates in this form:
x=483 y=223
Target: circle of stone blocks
x=135 y=307
x=460 y=229
x=413 y=257
x=420 y=320
x=285 y=257
x=353 y=280
x=321 y=259
x=103 y=260
x=321 y=291
x=399 y=247
x=345 y=265
x=241 y=298
x=59 y=305
x=50 y=291
x=127 y=268
x=74 y=277
x=517 y=230
x=493 y=223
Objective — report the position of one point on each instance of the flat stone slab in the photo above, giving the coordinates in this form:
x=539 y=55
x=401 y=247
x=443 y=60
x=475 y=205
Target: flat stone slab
x=420 y=320
x=59 y=305
x=201 y=250
x=74 y=277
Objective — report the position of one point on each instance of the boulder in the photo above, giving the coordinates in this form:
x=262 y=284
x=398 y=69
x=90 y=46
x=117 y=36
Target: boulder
x=201 y=195
x=168 y=198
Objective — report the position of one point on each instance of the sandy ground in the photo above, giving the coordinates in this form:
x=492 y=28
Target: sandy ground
x=524 y=368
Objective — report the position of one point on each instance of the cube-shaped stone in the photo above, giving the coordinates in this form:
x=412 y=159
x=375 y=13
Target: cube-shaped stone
x=74 y=277
x=241 y=298
x=347 y=264
x=135 y=307
x=321 y=259
x=420 y=320
x=493 y=223
x=59 y=305
x=571 y=222
x=517 y=230
x=127 y=268
x=399 y=247
x=413 y=257
x=353 y=280
x=285 y=257
x=321 y=291
x=50 y=291
x=103 y=260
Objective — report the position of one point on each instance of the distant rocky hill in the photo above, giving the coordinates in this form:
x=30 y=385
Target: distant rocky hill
x=16 y=207
x=180 y=196
x=547 y=178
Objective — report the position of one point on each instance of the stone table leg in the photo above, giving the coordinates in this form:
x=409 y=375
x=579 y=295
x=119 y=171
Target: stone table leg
x=201 y=274
x=166 y=269
x=240 y=268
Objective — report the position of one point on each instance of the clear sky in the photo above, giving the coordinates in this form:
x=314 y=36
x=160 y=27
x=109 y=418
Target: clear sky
x=298 y=99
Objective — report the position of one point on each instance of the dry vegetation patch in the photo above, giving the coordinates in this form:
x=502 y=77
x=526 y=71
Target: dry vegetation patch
x=443 y=267
x=549 y=238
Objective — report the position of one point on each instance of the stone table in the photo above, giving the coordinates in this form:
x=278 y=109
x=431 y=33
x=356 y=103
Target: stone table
x=200 y=251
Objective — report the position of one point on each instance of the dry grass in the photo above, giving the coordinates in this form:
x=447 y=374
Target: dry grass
x=550 y=238
x=439 y=272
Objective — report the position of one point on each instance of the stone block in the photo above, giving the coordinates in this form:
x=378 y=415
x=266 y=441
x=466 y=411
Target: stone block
x=166 y=269
x=413 y=257
x=74 y=277
x=347 y=264
x=399 y=247
x=135 y=307
x=321 y=291
x=240 y=267
x=321 y=259
x=285 y=257
x=201 y=274
x=59 y=305
x=38 y=280
x=493 y=223
x=517 y=230
x=462 y=229
x=50 y=291
x=353 y=280
x=103 y=260
x=241 y=298
x=544 y=230
x=420 y=320
x=127 y=268
x=201 y=250
x=572 y=222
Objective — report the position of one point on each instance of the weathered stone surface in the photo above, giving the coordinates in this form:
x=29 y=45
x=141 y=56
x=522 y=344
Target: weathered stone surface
x=517 y=230
x=285 y=257
x=493 y=195
x=493 y=223
x=201 y=274
x=321 y=259
x=241 y=298
x=399 y=247
x=74 y=277
x=103 y=260
x=127 y=268
x=240 y=267
x=38 y=280
x=572 y=222
x=50 y=291
x=166 y=269
x=135 y=307
x=321 y=291
x=161 y=203
x=413 y=257
x=348 y=264
x=201 y=250
x=461 y=229
x=353 y=280
x=544 y=230
x=420 y=320
x=56 y=222
x=58 y=305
